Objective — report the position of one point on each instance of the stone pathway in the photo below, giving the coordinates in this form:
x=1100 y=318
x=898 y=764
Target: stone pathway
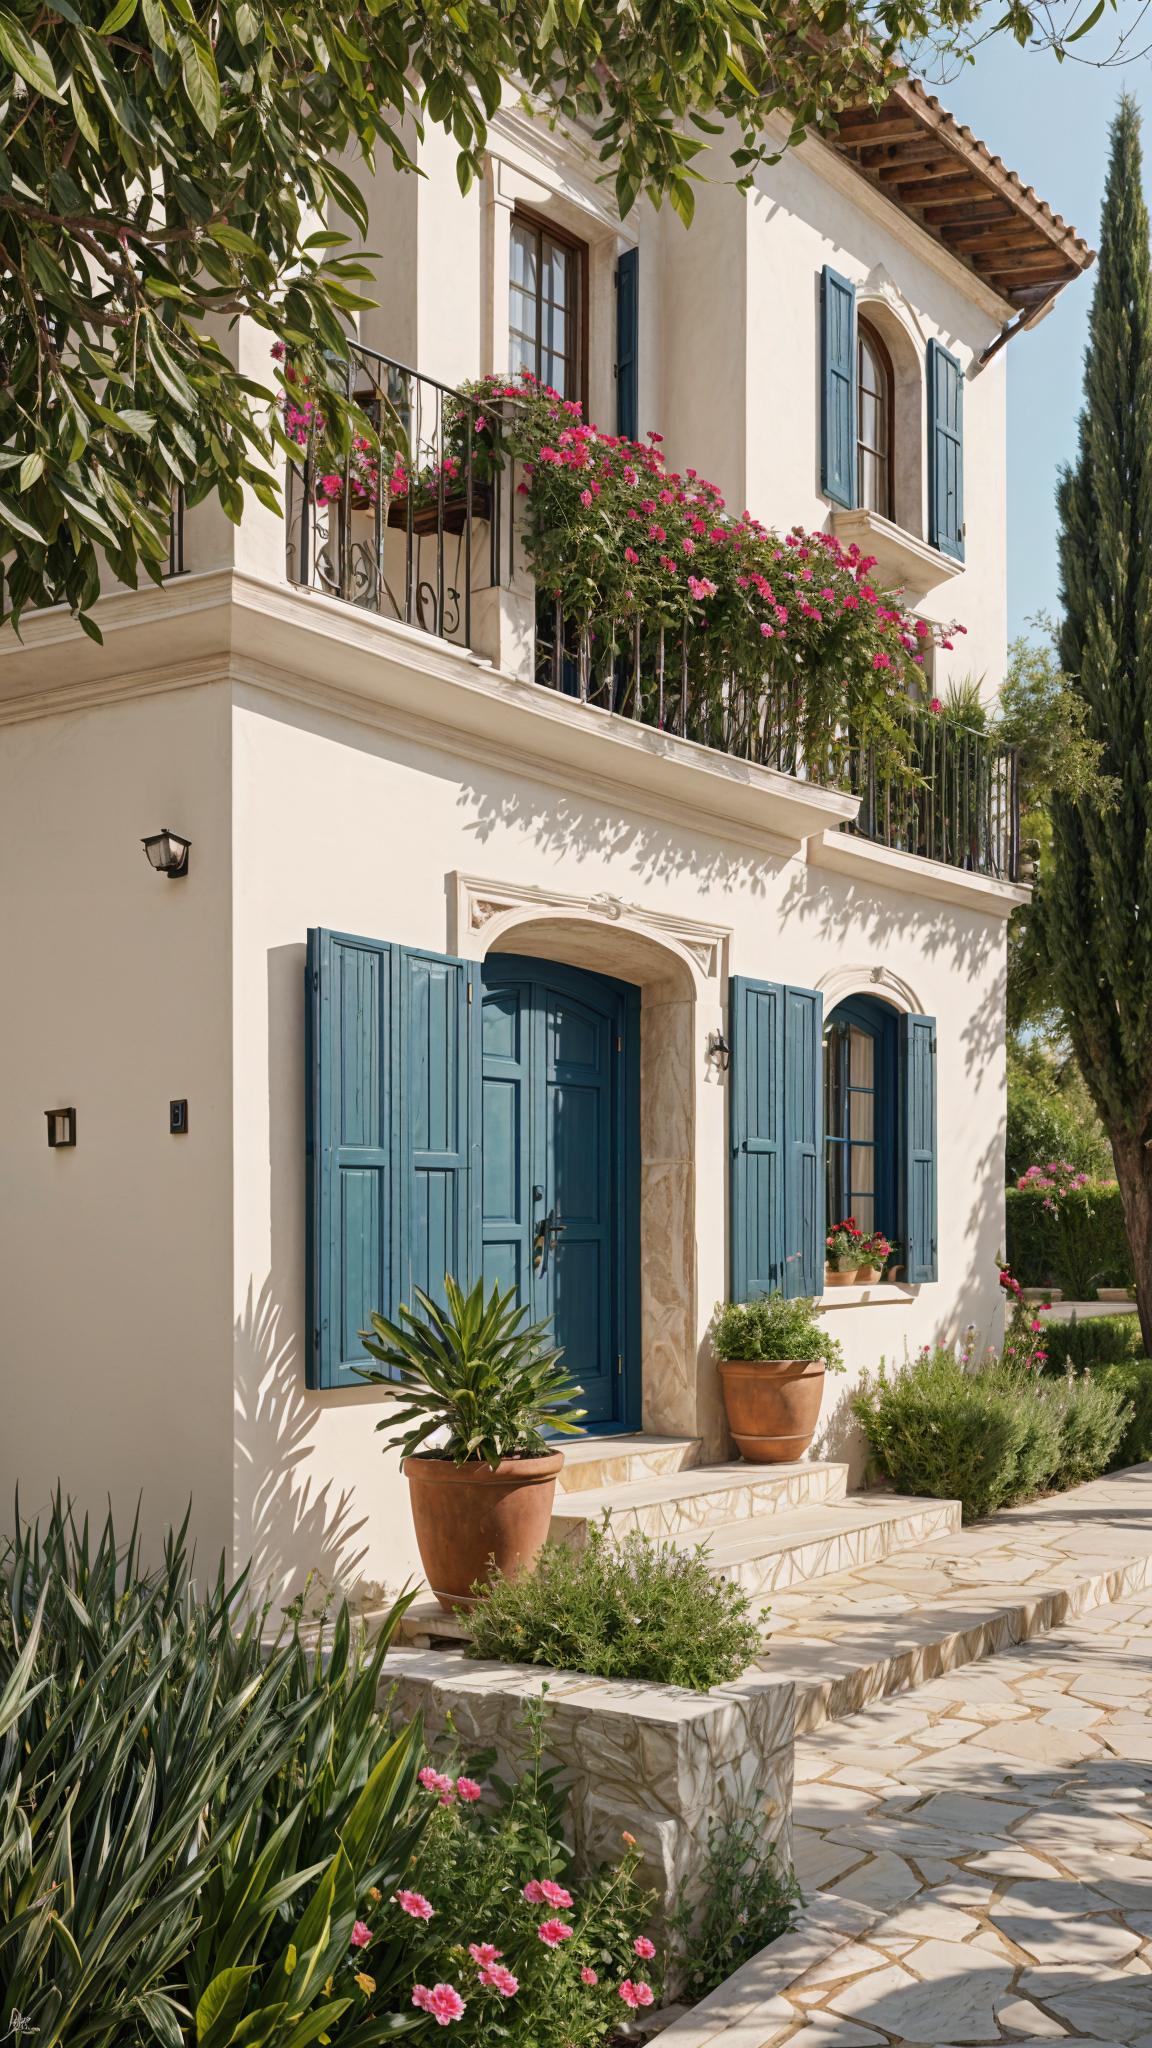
x=977 y=1861
x=888 y=1625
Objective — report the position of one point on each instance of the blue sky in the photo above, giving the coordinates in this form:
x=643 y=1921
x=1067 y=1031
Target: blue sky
x=1049 y=123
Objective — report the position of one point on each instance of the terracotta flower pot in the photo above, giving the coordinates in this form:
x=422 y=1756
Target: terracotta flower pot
x=773 y=1405
x=867 y=1276
x=472 y=1522
x=834 y=1277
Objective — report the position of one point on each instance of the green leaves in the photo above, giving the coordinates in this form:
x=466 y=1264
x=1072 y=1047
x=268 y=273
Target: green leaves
x=472 y=1369
x=27 y=57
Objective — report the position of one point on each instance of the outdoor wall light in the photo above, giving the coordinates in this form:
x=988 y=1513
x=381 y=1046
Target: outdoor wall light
x=61 y=1127
x=168 y=853
x=718 y=1050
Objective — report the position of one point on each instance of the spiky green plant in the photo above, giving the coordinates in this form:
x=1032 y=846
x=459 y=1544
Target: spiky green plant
x=187 y=1823
x=471 y=1369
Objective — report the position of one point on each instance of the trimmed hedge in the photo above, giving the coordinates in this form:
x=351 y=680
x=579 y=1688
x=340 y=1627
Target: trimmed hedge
x=1092 y=1340
x=1065 y=1247
x=1133 y=1379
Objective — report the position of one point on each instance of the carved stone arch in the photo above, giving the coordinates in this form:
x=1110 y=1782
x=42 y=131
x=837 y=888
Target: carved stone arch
x=890 y=988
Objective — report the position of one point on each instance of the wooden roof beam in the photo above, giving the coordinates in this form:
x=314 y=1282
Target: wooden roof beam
x=936 y=166
x=857 y=134
x=962 y=212
x=926 y=192
x=926 y=149
x=995 y=238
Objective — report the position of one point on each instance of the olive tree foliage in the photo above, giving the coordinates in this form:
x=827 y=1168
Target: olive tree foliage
x=167 y=167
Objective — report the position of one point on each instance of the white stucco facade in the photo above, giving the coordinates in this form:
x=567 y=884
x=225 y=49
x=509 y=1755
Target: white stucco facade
x=333 y=769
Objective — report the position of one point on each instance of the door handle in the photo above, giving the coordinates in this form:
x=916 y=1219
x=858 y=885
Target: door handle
x=546 y=1234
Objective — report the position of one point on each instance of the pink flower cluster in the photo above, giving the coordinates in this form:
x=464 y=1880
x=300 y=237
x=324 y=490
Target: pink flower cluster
x=443 y=2002
x=437 y=1781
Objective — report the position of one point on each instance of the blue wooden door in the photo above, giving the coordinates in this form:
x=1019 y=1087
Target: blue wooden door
x=559 y=1146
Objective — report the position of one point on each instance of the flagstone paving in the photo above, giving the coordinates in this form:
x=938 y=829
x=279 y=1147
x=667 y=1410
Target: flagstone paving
x=977 y=1862
x=892 y=1623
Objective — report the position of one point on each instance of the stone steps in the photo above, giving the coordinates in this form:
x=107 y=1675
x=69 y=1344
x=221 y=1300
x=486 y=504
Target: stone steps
x=767 y=1553
x=593 y=1463
x=700 y=1500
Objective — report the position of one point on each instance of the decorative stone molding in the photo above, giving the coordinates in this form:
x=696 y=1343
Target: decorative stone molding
x=482 y=911
x=869 y=981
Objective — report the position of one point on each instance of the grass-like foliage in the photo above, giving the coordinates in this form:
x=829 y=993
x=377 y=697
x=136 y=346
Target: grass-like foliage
x=470 y=1369
x=188 y=1829
x=750 y=1898
x=633 y=1609
x=774 y=1328
x=989 y=1437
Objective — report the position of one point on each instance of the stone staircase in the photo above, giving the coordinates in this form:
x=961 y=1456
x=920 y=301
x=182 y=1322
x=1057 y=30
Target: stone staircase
x=767 y=1527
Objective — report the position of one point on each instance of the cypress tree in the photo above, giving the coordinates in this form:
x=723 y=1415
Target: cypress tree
x=1096 y=904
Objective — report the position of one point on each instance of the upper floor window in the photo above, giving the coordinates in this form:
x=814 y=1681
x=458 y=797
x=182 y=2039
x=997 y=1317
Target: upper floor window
x=860 y=1115
x=546 y=306
x=873 y=422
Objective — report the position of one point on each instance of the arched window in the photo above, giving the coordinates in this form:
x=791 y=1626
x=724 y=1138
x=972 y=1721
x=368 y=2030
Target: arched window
x=860 y=1091
x=873 y=422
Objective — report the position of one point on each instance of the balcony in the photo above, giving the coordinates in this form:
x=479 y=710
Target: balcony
x=436 y=548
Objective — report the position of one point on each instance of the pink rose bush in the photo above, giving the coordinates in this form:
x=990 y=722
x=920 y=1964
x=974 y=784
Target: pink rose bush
x=484 y=1938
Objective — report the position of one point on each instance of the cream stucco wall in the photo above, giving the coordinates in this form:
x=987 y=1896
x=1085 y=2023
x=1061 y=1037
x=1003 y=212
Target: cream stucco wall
x=346 y=773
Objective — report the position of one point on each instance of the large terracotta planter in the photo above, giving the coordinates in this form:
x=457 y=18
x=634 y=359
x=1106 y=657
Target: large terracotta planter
x=472 y=1522
x=837 y=1276
x=867 y=1276
x=773 y=1405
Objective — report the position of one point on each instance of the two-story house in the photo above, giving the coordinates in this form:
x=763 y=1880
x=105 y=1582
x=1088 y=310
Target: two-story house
x=465 y=966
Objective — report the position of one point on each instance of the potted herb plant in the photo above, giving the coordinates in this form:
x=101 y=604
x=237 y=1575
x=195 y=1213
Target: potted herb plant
x=874 y=1253
x=773 y=1356
x=842 y=1256
x=482 y=1496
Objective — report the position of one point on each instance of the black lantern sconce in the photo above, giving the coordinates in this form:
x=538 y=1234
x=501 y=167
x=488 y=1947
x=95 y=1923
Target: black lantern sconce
x=61 y=1127
x=168 y=853
x=718 y=1050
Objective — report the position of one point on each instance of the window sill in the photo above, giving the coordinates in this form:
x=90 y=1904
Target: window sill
x=883 y=1295
x=900 y=556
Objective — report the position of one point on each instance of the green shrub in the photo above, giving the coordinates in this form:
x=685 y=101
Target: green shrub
x=633 y=1609
x=1133 y=1379
x=473 y=1866
x=1090 y=1341
x=750 y=1898
x=1047 y=1122
x=990 y=1437
x=1067 y=1246
x=774 y=1328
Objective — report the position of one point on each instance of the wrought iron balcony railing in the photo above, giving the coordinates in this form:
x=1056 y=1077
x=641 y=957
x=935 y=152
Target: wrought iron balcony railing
x=413 y=532
x=409 y=533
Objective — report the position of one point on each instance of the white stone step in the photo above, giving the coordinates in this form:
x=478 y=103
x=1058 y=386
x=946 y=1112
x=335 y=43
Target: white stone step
x=593 y=1462
x=767 y=1553
x=699 y=1501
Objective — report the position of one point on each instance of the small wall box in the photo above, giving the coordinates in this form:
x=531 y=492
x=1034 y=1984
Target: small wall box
x=178 y=1118
x=61 y=1127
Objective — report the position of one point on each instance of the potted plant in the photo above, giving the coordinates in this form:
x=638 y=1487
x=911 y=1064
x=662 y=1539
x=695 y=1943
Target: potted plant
x=467 y=1373
x=842 y=1256
x=893 y=1264
x=773 y=1356
x=873 y=1253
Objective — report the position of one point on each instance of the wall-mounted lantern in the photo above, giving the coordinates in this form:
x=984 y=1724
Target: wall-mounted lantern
x=168 y=853
x=718 y=1050
x=61 y=1127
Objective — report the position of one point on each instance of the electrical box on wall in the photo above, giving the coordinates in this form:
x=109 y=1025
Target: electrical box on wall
x=61 y=1127
x=178 y=1118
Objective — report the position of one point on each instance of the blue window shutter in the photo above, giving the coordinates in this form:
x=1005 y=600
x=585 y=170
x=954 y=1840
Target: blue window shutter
x=628 y=344
x=945 y=452
x=838 y=387
x=435 y=1137
x=918 y=1101
x=804 y=1232
x=755 y=1093
x=349 y=1039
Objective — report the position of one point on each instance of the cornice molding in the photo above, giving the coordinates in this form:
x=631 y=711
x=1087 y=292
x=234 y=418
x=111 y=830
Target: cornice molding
x=865 y=863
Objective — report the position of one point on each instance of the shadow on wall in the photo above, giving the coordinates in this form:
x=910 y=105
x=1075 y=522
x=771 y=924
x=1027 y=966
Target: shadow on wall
x=290 y=1520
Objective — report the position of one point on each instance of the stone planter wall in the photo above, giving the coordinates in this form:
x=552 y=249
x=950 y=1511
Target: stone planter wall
x=654 y=1760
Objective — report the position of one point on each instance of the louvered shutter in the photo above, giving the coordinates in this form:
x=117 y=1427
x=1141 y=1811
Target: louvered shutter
x=918 y=1107
x=756 y=1041
x=945 y=452
x=628 y=344
x=437 y=1224
x=349 y=1032
x=803 y=1142
x=838 y=385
